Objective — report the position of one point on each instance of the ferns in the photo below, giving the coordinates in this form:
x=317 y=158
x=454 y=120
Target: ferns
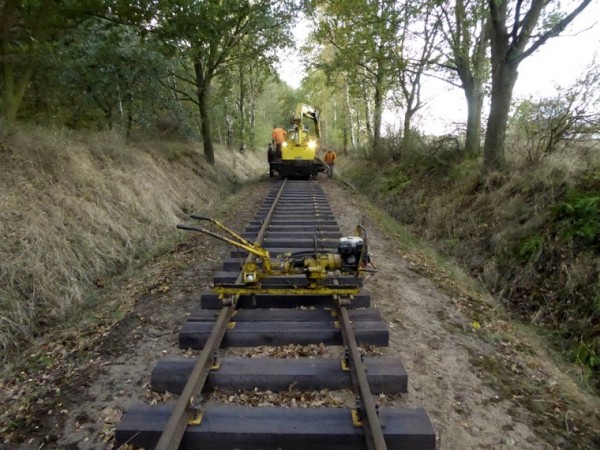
x=579 y=218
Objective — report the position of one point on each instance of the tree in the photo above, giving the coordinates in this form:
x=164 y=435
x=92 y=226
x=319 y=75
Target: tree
x=511 y=30
x=465 y=30
x=26 y=28
x=213 y=36
x=363 y=34
x=416 y=60
x=572 y=115
x=327 y=95
x=249 y=81
x=98 y=74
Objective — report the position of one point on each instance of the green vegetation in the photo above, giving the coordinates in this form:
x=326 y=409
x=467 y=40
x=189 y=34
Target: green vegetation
x=153 y=68
x=531 y=247
x=531 y=236
x=104 y=108
x=578 y=217
x=395 y=179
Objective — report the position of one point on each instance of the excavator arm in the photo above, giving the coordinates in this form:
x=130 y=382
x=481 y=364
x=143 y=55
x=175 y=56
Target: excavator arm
x=310 y=112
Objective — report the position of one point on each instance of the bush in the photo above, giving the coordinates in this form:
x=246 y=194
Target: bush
x=395 y=179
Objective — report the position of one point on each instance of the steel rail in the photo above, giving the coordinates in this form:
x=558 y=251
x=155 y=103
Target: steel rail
x=187 y=405
x=371 y=426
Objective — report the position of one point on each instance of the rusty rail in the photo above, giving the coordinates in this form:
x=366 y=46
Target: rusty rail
x=188 y=405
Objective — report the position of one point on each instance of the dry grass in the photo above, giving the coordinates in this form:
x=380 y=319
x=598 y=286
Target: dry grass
x=481 y=223
x=78 y=208
x=502 y=230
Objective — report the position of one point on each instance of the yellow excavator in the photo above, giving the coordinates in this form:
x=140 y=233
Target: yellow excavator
x=299 y=151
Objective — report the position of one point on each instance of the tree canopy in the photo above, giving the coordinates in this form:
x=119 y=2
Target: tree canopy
x=208 y=68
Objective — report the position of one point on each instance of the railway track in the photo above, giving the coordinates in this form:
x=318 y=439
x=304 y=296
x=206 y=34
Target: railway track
x=294 y=218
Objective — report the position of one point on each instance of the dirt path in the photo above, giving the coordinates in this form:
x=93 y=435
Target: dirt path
x=439 y=344
x=466 y=414
x=481 y=383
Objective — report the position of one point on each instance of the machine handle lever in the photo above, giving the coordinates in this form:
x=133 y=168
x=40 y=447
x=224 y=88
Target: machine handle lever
x=198 y=217
x=182 y=226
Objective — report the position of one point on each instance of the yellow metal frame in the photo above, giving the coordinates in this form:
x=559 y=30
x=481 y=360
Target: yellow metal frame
x=224 y=291
x=316 y=268
x=356 y=422
x=293 y=152
x=240 y=242
x=345 y=366
x=196 y=420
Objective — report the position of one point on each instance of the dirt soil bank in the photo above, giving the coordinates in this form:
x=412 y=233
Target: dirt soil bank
x=454 y=362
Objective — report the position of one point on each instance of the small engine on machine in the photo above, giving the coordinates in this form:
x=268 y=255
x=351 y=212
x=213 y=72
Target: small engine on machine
x=353 y=251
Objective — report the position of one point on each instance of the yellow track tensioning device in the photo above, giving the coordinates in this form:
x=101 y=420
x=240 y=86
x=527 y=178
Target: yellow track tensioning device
x=320 y=269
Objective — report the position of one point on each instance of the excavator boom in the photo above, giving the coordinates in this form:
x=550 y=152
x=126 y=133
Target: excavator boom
x=310 y=112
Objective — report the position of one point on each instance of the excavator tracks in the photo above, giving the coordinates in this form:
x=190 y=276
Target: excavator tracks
x=294 y=217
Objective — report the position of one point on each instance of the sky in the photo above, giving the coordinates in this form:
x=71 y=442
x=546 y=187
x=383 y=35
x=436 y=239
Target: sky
x=557 y=63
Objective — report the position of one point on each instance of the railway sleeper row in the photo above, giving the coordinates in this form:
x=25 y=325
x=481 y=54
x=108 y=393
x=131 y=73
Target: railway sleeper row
x=301 y=221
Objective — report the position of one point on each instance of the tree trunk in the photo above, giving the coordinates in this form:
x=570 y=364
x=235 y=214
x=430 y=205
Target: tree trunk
x=229 y=132
x=367 y=113
x=209 y=152
x=472 y=65
x=109 y=117
x=242 y=109
x=252 y=125
x=228 y=123
x=13 y=88
x=406 y=133
x=129 y=112
x=377 y=112
x=409 y=90
x=348 y=120
x=504 y=76
x=474 y=96
x=357 y=127
x=202 y=86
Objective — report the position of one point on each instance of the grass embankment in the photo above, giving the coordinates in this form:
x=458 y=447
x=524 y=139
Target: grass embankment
x=79 y=208
x=531 y=235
